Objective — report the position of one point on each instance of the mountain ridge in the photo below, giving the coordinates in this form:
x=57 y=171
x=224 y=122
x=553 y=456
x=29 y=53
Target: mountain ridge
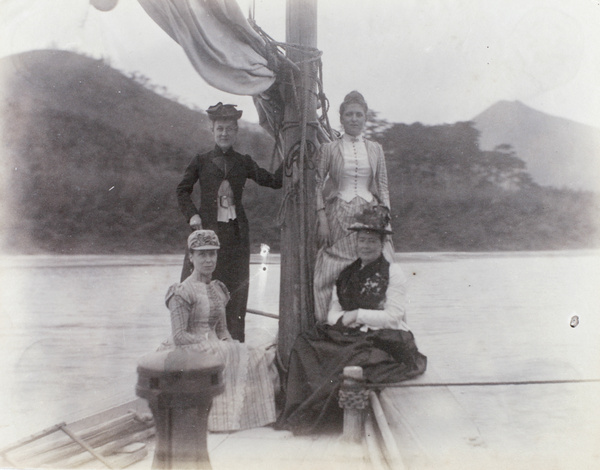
x=558 y=152
x=94 y=157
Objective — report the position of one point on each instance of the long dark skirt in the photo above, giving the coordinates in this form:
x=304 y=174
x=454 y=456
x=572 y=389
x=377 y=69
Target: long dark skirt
x=316 y=364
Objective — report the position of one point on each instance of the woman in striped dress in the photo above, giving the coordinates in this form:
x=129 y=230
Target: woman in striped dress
x=197 y=307
x=356 y=176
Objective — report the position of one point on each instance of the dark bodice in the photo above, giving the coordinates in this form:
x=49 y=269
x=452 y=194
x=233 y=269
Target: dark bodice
x=364 y=288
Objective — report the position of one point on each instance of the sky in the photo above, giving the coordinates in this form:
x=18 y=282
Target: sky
x=428 y=61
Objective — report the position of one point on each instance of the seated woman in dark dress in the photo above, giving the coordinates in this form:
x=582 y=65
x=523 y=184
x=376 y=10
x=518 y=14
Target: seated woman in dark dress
x=366 y=326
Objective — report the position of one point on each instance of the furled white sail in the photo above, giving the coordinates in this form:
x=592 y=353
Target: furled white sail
x=219 y=42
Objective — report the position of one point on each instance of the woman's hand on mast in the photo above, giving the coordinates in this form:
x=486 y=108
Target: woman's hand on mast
x=196 y=222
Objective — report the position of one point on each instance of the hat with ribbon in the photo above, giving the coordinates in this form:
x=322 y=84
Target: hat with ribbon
x=203 y=240
x=374 y=219
x=223 y=111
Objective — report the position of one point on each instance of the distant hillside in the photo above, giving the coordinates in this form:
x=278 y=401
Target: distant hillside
x=70 y=83
x=91 y=158
x=558 y=152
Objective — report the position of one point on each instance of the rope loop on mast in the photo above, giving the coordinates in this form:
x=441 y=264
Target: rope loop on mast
x=304 y=77
x=276 y=53
x=295 y=156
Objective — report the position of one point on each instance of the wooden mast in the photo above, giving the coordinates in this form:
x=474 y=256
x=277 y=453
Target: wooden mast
x=298 y=249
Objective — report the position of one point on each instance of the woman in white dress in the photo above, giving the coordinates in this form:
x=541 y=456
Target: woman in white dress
x=197 y=307
x=351 y=176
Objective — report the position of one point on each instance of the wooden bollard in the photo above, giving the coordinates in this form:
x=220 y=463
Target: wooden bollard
x=353 y=400
x=179 y=386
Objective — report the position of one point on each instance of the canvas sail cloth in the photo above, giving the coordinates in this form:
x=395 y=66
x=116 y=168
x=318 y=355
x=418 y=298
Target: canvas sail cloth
x=223 y=48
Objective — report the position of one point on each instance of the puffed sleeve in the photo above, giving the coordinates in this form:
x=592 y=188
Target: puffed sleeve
x=323 y=164
x=393 y=315
x=180 y=306
x=221 y=326
x=381 y=177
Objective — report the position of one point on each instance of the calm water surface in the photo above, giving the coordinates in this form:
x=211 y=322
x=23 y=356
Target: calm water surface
x=73 y=328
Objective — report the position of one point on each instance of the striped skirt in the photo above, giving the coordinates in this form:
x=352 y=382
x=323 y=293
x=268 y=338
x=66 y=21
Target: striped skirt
x=250 y=376
x=332 y=259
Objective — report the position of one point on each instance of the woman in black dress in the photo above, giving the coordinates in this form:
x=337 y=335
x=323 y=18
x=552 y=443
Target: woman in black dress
x=221 y=174
x=366 y=326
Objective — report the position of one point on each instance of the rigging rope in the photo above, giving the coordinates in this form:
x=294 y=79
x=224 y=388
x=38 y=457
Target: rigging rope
x=380 y=386
x=299 y=76
x=303 y=152
x=284 y=68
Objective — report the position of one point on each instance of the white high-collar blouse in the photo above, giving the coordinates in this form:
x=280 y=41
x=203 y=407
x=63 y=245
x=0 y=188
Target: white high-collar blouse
x=357 y=172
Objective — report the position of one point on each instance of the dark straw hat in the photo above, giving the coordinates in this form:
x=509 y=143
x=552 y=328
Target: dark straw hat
x=223 y=111
x=374 y=219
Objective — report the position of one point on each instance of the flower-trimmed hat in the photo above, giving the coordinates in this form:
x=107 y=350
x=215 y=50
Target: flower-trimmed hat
x=203 y=240
x=374 y=219
x=223 y=111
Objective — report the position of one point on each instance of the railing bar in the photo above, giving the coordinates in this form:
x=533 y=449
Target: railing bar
x=83 y=444
x=261 y=313
x=33 y=437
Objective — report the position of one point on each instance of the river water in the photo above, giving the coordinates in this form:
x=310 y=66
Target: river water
x=73 y=327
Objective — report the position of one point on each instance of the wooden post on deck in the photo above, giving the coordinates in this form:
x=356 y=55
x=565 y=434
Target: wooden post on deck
x=296 y=311
x=352 y=396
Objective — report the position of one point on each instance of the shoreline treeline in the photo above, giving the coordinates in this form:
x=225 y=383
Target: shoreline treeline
x=85 y=187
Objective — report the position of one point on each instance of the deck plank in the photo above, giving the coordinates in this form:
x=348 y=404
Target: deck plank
x=266 y=448
x=431 y=428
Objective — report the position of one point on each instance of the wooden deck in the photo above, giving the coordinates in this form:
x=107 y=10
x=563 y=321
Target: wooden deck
x=550 y=426
x=431 y=428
